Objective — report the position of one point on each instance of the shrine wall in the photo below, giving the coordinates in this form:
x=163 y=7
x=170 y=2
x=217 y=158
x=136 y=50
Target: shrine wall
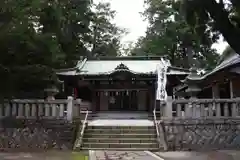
x=28 y=135
x=202 y=134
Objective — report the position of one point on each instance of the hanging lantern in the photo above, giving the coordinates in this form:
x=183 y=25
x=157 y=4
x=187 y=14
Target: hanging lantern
x=117 y=93
x=127 y=93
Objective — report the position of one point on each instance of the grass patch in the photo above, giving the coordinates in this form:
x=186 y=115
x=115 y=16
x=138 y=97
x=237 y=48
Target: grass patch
x=80 y=156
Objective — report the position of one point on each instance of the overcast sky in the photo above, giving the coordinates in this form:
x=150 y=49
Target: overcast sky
x=128 y=17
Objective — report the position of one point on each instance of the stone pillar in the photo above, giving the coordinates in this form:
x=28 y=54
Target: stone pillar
x=77 y=107
x=70 y=109
x=196 y=108
x=51 y=92
x=168 y=108
x=216 y=95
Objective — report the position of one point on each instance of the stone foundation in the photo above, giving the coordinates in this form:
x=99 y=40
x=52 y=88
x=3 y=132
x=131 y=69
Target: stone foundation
x=181 y=134
x=204 y=134
x=36 y=135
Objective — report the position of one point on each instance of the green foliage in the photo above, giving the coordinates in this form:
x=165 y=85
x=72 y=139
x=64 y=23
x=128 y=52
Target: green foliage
x=106 y=35
x=37 y=37
x=216 y=17
x=169 y=34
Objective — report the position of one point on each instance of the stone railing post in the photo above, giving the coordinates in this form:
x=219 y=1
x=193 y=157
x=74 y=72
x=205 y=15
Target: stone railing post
x=168 y=109
x=77 y=107
x=70 y=109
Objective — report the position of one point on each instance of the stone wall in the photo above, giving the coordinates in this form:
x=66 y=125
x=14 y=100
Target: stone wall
x=202 y=134
x=36 y=135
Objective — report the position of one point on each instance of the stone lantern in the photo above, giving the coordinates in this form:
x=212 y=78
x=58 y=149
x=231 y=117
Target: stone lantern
x=193 y=78
x=51 y=92
x=192 y=81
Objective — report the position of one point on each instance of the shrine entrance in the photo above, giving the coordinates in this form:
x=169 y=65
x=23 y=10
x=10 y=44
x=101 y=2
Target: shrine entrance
x=123 y=101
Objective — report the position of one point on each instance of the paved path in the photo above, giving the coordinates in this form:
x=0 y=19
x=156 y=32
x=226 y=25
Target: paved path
x=142 y=155
x=124 y=155
x=214 y=155
x=120 y=155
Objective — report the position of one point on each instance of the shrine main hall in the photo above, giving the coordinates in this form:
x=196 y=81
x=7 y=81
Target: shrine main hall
x=119 y=83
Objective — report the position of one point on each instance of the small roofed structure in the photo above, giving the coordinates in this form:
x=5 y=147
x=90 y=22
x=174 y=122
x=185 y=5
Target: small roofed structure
x=118 y=83
x=221 y=82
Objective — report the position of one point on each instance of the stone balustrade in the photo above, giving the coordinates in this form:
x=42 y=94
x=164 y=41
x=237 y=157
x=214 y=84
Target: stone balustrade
x=53 y=109
x=33 y=108
x=197 y=108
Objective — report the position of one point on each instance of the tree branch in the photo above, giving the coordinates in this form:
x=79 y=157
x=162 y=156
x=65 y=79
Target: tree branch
x=223 y=24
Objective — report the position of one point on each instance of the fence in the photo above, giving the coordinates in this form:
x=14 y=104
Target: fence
x=197 y=108
x=69 y=108
x=55 y=109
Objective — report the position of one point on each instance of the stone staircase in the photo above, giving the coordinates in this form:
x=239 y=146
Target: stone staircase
x=120 y=138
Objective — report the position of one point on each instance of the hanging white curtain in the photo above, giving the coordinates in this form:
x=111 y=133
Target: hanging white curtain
x=162 y=80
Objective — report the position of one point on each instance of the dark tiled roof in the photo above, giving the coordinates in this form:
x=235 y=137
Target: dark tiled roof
x=229 y=61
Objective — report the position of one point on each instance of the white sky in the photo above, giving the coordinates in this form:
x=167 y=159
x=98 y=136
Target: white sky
x=128 y=16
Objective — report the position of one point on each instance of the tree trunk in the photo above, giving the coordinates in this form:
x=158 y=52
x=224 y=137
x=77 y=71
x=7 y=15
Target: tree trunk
x=223 y=24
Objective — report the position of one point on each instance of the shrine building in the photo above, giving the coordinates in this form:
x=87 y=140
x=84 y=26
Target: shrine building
x=119 y=83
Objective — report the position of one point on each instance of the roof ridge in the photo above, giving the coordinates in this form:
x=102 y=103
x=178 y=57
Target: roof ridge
x=129 y=58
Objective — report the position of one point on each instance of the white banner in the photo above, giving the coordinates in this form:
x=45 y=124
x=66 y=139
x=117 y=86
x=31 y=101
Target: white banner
x=162 y=80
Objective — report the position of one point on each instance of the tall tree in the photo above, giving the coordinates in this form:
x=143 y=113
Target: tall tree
x=106 y=34
x=220 y=17
x=35 y=38
x=169 y=34
x=68 y=22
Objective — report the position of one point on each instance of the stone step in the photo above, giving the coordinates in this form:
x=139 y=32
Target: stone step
x=122 y=149
x=121 y=127
x=119 y=140
x=120 y=145
x=119 y=131
x=120 y=135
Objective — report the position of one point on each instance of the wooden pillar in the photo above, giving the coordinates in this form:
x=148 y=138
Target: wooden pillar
x=232 y=106
x=231 y=89
x=150 y=106
x=94 y=101
x=215 y=91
